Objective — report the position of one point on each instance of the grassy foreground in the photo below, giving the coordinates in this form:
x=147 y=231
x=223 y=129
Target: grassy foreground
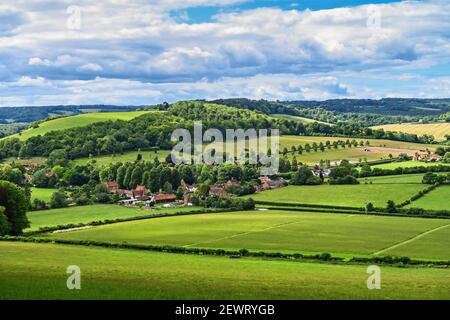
x=38 y=271
x=279 y=231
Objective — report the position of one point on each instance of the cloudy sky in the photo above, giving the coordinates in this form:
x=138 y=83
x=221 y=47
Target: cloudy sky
x=148 y=51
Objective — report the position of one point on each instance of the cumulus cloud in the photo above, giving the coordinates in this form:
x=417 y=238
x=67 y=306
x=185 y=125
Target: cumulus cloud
x=260 y=53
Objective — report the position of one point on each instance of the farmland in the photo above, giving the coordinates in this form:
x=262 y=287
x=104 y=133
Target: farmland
x=295 y=118
x=273 y=230
x=125 y=157
x=127 y=274
x=43 y=194
x=85 y=214
x=406 y=164
x=438 y=199
x=76 y=121
x=438 y=130
x=341 y=195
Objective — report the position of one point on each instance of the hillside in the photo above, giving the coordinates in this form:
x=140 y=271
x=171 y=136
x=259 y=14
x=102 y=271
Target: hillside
x=438 y=130
x=31 y=114
x=76 y=121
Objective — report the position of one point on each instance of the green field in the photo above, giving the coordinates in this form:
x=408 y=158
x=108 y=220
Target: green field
x=77 y=121
x=38 y=271
x=296 y=118
x=44 y=194
x=406 y=164
x=84 y=214
x=341 y=195
x=396 y=179
x=438 y=199
x=274 y=230
x=125 y=157
x=438 y=130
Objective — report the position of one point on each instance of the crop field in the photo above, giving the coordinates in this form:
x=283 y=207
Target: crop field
x=438 y=199
x=43 y=194
x=406 y=164
x=128 y=274
x=125 y=157
x=341 y=195
x=85 y=214
x=274 y=230
x=77 y=121
x=438 y=130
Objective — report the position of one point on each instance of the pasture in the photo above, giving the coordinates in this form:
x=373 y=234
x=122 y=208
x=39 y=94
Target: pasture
x=438 y=199
x=125 y=157
x=77 y=121
x=38 y=271
x=296 y=118
x=43 y=194
x=273 y=230
x=85 y=214
x=406 y=164
x=341 y=195
x=438 y=130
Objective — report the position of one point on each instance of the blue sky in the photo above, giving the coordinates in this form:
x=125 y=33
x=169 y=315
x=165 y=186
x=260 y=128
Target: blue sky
x=149 y=51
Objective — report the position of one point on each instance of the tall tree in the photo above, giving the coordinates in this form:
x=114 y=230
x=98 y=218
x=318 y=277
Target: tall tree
x=15 y=204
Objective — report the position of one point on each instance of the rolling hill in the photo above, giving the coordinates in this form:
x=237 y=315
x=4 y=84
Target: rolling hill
x=438 y=130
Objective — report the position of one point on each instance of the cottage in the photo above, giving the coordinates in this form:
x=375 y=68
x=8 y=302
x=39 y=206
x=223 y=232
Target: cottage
x=112 y=186
x=140 y=193
x=427 y=157
x=217 y=190
x=160 y=198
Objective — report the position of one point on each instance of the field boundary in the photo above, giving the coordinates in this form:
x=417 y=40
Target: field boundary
x=323 y=257
x=420 y=235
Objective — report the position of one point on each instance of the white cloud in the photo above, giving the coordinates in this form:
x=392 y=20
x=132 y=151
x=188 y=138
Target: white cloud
x=264 y=52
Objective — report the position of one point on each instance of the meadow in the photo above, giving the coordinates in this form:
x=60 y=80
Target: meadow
x=438 y=199
x=406 y=164
x=274 y=230
x=85 y=214
x=438 y=130
x=125 y=157
x=38 y=271
x=296 y=118
x=43 y=194
x=77 y=121
x=341 y=195
x=395 y=179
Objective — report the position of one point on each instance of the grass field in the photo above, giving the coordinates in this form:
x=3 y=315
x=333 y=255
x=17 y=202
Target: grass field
x=84 y=214
x=341 y=195
x=397 y=179
x=438 y=130
x=38 y=271
x=438 y=199
x=77 y=121
x=43 y=194
x=273 y=230
x=125 y=157
x=296 y=118
x=406 y=164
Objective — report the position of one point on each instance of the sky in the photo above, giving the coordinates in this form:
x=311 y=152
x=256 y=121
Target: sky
x=143 y=52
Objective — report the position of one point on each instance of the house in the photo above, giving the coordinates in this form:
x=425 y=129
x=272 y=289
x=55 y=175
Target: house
x=427 y=157
x=140 y=193
x=277 y=183
x=231 y=182
x=112 y=186
x=264 y=183
x=217 y=190
x=160 y=198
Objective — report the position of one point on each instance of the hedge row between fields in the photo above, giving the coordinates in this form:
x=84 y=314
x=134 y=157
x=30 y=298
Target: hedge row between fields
x=322 y=257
